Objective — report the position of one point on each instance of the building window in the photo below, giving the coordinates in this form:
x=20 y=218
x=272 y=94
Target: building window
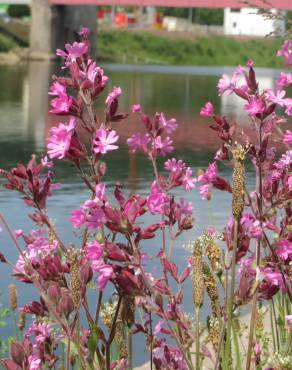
x=234 y=10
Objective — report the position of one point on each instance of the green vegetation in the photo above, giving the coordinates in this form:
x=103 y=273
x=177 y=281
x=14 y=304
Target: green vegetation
x=18 y=10
x=6 y=44
x=119 y=46
x=199 y=15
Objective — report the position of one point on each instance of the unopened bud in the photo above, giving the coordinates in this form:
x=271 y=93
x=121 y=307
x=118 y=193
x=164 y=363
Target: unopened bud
x=101 y=168
x=17 y=352
x=54 y=292
x=86 y=273
x=66 y=305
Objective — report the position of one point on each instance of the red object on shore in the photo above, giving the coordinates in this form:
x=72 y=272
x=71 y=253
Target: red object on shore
x=277 y=4
x=121 y=19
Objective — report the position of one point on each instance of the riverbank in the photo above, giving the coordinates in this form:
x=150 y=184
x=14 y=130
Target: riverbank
x=154 y=47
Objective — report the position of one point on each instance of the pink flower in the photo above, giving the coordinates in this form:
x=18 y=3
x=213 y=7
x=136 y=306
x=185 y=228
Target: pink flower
x=168 y=125
x=257 y=349
x=284 y=80
x=254 y=106
x=42 y=331
x=34 y=363
x=173 y=165
x=46 y=162
x=288 y=105
x=113 y=95
x=104 y=140
x=250 y=63
x=84 y=32
x=251 y=226
x=163 y=146
x=18 y=233
x=207 y=110
x=94 y=250
x=157 y=200
x=57 y=89
x=105 y=273
x=287 y=138
x=136 y=108
x=77 y=218
x=186 y=207
x=95 y=218
x=286 y=52
x=61 y=104
x=288 y=319
x=60 y=139
x=277 y=98
x=209 y=175
x=289 y=182
x=100 y=196
x=138 y=141
x=204 y=191
x=188 y=181
x=226 y=85
x=76 y=50
x=285 y=161
x=273 y=278
x=284 y=250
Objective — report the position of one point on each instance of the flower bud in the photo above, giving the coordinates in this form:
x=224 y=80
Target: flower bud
x=66 y=305
x=54 y=292
x=101 y=169
x=86 y=273
x=17 y=352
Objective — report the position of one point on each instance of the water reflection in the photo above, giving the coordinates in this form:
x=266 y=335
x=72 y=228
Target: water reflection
x=25 y=124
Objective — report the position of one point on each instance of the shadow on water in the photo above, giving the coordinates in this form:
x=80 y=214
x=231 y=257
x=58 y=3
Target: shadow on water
x=25 y=124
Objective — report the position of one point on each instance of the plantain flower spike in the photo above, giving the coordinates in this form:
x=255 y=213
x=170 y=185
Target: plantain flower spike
x=238 y=181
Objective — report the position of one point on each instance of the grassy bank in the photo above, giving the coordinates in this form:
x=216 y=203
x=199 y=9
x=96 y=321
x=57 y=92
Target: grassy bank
x=119 y=46
x=6 y=44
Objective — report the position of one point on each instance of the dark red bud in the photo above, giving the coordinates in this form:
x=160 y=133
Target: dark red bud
x=17 y=352
x=54 y=292
x=86 y=273
x=66 y=305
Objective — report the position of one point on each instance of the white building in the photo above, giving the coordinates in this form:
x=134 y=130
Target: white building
x=246 y=21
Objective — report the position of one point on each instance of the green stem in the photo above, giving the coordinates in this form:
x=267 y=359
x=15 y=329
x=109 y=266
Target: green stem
x=251 y=330
x=130 y=349
x=236 y=346
x=197 y=337
x=272 y=326
x=231 y=292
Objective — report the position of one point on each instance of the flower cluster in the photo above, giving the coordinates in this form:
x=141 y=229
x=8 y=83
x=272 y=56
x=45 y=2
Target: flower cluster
x=110 y=230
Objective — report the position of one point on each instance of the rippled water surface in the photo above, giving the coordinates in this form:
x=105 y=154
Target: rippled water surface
x=180 y=93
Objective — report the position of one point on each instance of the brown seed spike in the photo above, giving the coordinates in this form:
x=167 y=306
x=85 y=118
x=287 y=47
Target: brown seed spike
x=12 y=292
x=212 y=290
x=75 y=281
x=128 y=310
x=238 y=181
x=21 y=320
x=198 y=277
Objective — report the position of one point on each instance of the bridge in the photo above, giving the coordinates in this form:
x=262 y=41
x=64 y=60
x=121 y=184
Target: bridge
x=279 y=4
x=54 y=22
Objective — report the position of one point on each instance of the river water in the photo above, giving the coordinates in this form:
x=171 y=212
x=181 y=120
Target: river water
x=179 y=92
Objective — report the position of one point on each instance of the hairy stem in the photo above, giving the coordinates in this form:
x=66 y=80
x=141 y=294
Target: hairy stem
x=197 y=313
x=231 y=291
